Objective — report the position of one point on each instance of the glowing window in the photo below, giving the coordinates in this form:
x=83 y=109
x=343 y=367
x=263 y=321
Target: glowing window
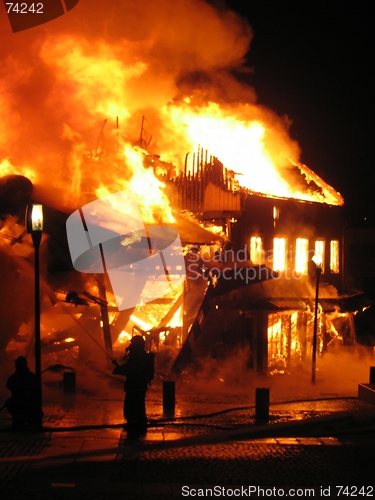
x=279 y=254
x=334 y=256
x=256 y=250
x=320 y=249
x=302 y=255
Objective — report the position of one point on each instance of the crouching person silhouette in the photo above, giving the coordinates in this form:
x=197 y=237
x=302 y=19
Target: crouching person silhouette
x=22 y=405
x=139 y=371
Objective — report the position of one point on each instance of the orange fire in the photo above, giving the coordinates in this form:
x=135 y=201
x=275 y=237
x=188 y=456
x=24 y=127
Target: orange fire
x=239 y=139
x=72 y=106
x=6 y=168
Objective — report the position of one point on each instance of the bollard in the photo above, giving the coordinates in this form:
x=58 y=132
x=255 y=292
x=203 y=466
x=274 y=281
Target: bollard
x=69 y=382
x=168 y=398
x=372 y=374
x=262 y=404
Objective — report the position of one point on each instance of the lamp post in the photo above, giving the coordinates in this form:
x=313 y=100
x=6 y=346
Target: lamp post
x=34 y=226
x=318 y=261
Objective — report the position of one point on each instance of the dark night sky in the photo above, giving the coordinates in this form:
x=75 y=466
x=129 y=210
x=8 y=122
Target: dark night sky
x=315 y=62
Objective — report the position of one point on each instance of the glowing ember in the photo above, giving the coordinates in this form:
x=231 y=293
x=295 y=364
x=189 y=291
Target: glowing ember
x=145 y=326
x=124 y=337
x=177 y=319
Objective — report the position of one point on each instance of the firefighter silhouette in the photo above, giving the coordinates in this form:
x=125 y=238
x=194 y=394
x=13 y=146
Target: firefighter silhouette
x=22 y=405
x=139 y=371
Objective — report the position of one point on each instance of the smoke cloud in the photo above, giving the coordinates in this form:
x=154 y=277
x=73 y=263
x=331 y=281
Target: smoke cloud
x=231 y=376
x=64 y=85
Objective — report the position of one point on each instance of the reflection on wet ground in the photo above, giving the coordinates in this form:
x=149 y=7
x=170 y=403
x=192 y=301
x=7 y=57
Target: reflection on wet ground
x=200 y=406
x=281 y=412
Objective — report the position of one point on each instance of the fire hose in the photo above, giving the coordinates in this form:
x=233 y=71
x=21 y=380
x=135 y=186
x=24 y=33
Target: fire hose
x=176 y=421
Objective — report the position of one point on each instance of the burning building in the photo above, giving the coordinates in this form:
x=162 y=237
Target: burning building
x=274 y=319
x=132 y=104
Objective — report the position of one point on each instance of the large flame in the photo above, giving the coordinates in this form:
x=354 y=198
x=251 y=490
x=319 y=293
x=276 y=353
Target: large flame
x=72 y=100
x=6 y=168
x=239 y=141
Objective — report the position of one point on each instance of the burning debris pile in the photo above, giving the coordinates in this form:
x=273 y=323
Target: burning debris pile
x=127 y=96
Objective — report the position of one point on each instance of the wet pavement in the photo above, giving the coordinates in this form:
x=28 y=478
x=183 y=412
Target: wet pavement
x=213 y=443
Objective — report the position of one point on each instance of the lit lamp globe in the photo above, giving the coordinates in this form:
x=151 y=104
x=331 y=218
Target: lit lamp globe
x=34 y=222
x=318 y=260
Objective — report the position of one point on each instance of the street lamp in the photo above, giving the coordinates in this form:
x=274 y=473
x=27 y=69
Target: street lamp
x=318 y=261
x=34 y=226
